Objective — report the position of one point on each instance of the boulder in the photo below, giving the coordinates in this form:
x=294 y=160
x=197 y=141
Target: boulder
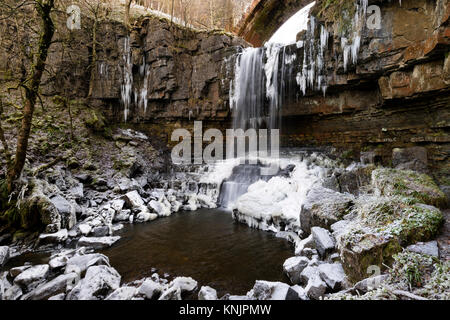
x=308 y=273
x=13 y=293
x=101 y=231
x=324 y=241
x=66 y=211
x=293 y=268
x=334 y=276
x=361 y=250
x=58 y=297
x=99 y=282
x=51 y=288
x=83 y=262
x=371 y=283
x=160 y=208
x=123 y=293
x=4 y=255
x=323 y=207
x=57 y=237
x=301 y=293
x=32 y=276
x=186 y=284
x=150 y=289
x=265 y=290
x=409 y=184
x=207 y=293
x=97 y=243
x=301 y=245
x=429 y=248
x=117 y=205
x=85 y=229
x=316 y=288
x=172 y=293
x=14 y=272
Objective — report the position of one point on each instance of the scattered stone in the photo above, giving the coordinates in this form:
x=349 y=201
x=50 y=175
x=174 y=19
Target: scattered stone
x=429 y=248
x=97 y=243
x=207 y=293
x=293 y=268
x=324 y=241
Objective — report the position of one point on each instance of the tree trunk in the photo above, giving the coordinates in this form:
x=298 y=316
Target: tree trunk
x=44 y=8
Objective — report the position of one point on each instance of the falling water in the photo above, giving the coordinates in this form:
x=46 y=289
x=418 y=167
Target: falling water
x=127 y=78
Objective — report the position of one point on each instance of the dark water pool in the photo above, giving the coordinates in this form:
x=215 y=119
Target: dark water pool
x=206 y=245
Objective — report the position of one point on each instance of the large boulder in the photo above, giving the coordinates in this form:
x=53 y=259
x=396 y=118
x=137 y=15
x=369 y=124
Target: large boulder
x=51 y=288
x=99 y=282
x=359 y=251
x=416 y=186
x=323 y=207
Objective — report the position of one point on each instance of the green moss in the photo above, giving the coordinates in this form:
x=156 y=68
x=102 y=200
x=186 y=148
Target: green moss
x=408 y=184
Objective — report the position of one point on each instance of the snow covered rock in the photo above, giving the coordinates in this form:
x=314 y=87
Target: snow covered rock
x=324 y=241
x=323 y=207
x=333 y=274
x=85 y=229
x=4 y=255
x=293 y=268
x=428 y=248
x=123 y=293
x=265 y=290
x=56 y=237
x=13 y=293
x=300 y=292
x=83 y=262
x=97 y=243
x=98 y=283
x=14 y=272
x=32 y=276
x=186 y=284
x=303 y=244
x=66 y=211
x=150 y=289
x=370 y=283
x=117 y=205
x=173 y=293
x=316 y=288
x=51 y=288
x=207 y=293
x=162 y=209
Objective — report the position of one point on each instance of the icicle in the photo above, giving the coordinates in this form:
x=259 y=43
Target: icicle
x=127 y=81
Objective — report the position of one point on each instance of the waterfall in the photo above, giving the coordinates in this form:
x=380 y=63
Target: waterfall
x=127 y=78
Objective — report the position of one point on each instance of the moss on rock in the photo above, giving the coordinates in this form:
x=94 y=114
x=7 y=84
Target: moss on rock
x=410 y=184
